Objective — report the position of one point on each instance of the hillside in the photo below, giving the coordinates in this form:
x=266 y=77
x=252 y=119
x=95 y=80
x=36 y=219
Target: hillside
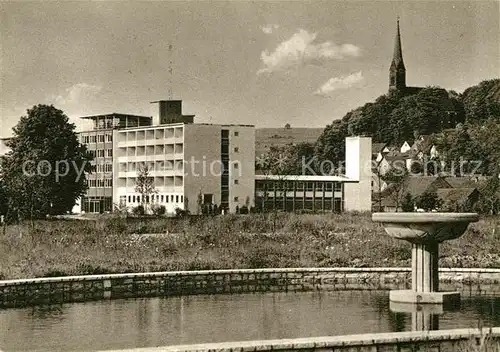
x=280 y=137
x=394 y=118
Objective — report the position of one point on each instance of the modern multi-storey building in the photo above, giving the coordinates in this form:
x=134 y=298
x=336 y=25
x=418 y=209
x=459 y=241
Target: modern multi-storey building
x=191 y=164
x=99 y=141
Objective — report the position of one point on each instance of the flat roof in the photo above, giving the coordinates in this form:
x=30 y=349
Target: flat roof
x=165 y=101
x=178 y=124
x=114 y=114
x=303 y=178
x=96 y=130
x=223 y=124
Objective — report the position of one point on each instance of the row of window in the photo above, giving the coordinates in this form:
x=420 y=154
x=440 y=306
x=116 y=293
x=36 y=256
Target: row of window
x=159 y=149
x=262 y=185
x=107 y=182
x=100 y=138
x=335 y=204
x=154 y=198
x=167 y=165
x=103 y=168
x=152 y=166
x=154 y=135
x=97 y=204
x=101 y=153
x=108 y=137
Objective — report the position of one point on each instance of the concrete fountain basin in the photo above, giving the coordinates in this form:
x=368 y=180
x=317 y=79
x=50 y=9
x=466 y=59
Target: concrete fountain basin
x=425 y=231
x=425 y=227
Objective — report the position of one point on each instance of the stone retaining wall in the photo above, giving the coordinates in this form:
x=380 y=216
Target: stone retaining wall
x=458 y=340
x=18 y=293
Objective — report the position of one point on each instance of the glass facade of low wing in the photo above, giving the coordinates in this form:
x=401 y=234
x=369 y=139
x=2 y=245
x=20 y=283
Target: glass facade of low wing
x=298 y=195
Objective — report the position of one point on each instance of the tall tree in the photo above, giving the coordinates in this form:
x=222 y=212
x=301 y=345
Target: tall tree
x=397 y=179
x=144 y=184
x=44 y=173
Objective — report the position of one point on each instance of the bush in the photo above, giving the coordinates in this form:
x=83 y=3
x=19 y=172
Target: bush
x=407 y=205
x=180 y=213
x=138 y=210
x=244 y=210
x=428 y=201
x=159 y=210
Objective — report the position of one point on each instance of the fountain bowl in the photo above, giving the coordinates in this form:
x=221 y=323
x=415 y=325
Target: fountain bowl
x=425 y=227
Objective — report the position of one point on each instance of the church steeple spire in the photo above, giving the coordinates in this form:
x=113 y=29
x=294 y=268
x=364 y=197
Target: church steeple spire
x=398 y=53
x=397 y=72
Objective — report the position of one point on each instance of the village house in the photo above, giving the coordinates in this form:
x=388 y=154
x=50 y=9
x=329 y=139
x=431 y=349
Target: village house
x=416 y=186
x=424 y=146
x=405 y=147
x=379 y=150
x=455 y=193
x=458 y=199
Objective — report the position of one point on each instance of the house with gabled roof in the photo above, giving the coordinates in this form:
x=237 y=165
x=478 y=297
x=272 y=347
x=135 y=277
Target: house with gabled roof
x=423 y=146
x=466 y=182
x=416 y=186
x=458 y=199
x=393 y=159
x=405 y=147
x=379 y=150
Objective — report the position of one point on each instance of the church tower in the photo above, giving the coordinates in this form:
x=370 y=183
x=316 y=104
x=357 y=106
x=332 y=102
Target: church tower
x=397 y=72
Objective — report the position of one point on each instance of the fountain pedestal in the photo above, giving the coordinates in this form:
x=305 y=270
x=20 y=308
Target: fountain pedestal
x=425 y=231
x=424 y=278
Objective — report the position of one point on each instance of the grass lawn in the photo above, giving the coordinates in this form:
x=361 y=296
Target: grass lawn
x=111 y=244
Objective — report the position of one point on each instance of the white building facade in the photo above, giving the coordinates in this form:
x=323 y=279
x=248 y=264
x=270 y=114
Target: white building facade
x=192 y=165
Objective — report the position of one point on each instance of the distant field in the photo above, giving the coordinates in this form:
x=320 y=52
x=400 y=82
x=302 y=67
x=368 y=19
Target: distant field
x=110 y=244
x=265 y=137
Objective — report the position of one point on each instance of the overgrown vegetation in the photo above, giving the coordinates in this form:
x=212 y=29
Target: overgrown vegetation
x=117 y=245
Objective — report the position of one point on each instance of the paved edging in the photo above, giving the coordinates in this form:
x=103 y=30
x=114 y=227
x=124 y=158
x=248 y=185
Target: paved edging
x=26 y=292
x=411 y=341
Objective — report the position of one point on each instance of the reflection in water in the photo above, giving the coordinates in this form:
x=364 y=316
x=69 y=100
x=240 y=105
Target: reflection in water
x=215 y=318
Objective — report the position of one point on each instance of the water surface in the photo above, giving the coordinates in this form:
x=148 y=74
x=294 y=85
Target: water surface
x=147 y=322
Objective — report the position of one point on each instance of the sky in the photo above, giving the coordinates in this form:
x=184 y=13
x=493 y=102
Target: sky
x=306 y=63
